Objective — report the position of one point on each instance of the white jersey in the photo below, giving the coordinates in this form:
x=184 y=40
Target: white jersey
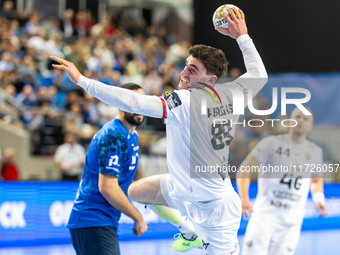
x=196 y=148
x=192 y=141
x=282 y=195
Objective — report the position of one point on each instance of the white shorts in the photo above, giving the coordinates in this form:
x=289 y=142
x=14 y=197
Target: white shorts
x=216 y=223
x=264 y=237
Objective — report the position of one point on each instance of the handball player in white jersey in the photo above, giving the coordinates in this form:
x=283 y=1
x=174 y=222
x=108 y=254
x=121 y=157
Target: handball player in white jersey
x=275 y=223
x=207 y=199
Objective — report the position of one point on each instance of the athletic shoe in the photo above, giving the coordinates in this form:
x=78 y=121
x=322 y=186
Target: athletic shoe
x=183 y=245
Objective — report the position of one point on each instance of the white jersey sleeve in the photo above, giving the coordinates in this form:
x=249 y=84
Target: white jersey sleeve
x=123 y=99
x=263 y=150
x=255 y=77
x=177 y=104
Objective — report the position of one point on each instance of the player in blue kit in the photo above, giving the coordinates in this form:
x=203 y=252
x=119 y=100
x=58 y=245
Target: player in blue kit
x=110 y=166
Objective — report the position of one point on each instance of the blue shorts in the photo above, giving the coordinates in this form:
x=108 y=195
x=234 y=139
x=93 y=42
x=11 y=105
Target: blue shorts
x=95 y=241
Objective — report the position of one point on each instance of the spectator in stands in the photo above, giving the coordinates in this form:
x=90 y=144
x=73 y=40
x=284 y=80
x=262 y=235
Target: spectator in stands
x=70 y=158
x=152 y=83
x=106 y=112
x=7 y=11
x=91 y=110
x=105 y=53
x=52 y=96
x=6 y=63
x=38 y=42
x=32 y=26
x=9 y=169
x=27 y=96
x=80 y=25
x=54 y=44
x=42 y=95
x=66 y=23
x=22 y=17
x=159 y=148
x=94 y=64
x=8 y=97
x=74 y=118
x=104 y=28
x=28 y=68
x=119 y=49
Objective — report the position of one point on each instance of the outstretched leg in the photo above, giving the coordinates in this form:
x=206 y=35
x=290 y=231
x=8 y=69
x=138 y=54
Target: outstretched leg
x=148 y=191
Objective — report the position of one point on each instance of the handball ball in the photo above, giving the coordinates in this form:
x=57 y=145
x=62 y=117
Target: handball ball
x=217 y=18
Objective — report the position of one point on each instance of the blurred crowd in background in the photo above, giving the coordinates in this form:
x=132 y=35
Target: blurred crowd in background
x=120 y=48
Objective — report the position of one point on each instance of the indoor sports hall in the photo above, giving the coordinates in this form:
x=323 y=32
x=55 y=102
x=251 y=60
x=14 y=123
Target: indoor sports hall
x=147 y=42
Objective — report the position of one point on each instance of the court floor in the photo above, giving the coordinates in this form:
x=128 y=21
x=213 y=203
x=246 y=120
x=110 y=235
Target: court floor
x=311 y=243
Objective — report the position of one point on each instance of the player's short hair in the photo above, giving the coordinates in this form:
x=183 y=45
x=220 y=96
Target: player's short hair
x=131 y=86
x=213 y=59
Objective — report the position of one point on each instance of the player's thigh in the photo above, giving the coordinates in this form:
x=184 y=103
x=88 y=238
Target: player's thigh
x=147 y=190
x=285 y=240
x=217 y=226
x=95 y=240
x=258 y=236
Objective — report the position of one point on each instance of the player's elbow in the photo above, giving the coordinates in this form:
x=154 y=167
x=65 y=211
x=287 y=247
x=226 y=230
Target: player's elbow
x=264 y=76
x=103 y=189
x=260 y=77
x=106 y=185
x=264 y=79
x=261 y=74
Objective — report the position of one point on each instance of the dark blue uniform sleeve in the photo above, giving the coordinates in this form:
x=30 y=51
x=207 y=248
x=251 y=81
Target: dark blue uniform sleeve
x=112 y=154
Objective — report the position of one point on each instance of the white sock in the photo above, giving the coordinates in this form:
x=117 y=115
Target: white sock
x=175 y=218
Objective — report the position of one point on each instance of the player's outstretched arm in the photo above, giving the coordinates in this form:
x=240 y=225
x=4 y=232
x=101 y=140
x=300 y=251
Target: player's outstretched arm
x=318 y=195
x=243 y=182
x=123 y=99
x=110 y=189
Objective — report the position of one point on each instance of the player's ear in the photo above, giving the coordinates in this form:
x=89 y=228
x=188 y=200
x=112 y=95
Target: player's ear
x=212 y=79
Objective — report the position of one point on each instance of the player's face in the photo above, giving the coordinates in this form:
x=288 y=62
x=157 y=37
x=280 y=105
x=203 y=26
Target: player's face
x=70 y=138
x=304 y=122
x=132 y=118
x=194 y=74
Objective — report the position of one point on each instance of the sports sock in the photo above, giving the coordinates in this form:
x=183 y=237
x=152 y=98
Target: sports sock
x=175 y=218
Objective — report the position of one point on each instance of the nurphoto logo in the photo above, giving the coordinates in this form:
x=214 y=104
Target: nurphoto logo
x=239 y=105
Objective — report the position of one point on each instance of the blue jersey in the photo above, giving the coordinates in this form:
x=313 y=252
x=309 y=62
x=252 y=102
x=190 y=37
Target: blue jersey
x=112 y=151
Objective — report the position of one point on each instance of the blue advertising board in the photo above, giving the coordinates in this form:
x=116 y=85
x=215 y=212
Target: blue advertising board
x=36 y=213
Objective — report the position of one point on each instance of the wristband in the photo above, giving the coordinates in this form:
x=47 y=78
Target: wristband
x=242 y=38
x=318 y=197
